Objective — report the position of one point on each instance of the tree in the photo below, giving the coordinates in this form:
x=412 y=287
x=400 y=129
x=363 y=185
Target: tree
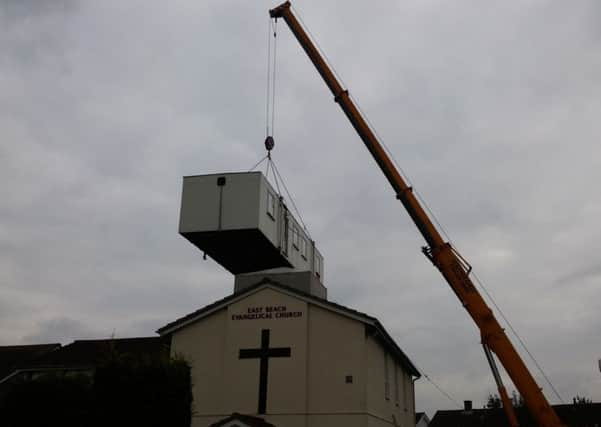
x=581 y=400
x=124 y=390
x=517 y=400
x=494 y=402
x=50 y=399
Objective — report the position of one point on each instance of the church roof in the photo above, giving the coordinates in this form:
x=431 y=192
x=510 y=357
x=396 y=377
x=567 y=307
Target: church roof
x=373 y=324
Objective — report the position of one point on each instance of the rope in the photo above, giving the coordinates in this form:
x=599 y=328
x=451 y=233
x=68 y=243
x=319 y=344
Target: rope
x=268 y=77
x=494 y=303
x=275 y=178
x=275 y=45
x=439 y=388
x=267 y=168
x=444 y=232
x=316 y=43
x=296 y=210
x=257 y=164
x=271 y=77
x=522 y=343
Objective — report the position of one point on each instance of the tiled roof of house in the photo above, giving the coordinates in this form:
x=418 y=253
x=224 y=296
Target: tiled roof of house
x=578 y=415
x=89 y=353
x=13 y=355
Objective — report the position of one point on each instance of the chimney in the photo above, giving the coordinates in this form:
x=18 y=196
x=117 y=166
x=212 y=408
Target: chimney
x=467 y=405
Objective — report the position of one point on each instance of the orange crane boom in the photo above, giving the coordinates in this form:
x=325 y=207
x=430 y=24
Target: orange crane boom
x=452 y=266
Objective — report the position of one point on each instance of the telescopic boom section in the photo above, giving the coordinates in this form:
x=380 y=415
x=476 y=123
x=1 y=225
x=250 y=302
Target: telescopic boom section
x=443 y=256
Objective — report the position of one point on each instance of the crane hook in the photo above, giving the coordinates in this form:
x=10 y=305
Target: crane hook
x=269 y=144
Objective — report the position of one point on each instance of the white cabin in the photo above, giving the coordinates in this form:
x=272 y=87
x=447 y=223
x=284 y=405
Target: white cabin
x=239 y=220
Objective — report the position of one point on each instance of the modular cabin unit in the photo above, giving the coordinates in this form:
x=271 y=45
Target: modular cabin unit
x=239 y=220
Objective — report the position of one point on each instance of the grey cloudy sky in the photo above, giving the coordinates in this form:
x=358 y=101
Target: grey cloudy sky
x=492 y=108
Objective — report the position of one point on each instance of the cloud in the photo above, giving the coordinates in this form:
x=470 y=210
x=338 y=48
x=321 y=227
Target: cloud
x=62 y=330
x=491 y=110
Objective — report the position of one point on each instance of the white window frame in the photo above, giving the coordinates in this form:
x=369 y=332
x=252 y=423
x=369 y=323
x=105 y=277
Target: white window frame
x=317 y=264
x=271 y=205
x=295 y=236
x=303 y=247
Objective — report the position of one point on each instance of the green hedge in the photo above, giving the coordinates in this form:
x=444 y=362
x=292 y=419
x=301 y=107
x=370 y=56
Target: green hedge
x=50 y=400
x=123 y=391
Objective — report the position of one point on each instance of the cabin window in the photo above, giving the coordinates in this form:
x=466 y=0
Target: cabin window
x=295 y=237
x=317 y=265
x=271 y=205
x=303 y=247
x=285 y=237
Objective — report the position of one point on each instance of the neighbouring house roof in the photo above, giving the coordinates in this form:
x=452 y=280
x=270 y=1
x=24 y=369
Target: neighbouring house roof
x=577 y=415
x=247 y=420
x=13 y=355
x=89 y=353
x=79 y=355
x=373 y=324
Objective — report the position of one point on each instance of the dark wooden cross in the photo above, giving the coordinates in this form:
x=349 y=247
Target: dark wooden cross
x=264 y=354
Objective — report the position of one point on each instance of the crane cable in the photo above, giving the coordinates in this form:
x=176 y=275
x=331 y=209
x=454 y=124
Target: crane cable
x=520 y=340
x=440 y=389
x=270 y=121
x=277 y=178
x=476 y=278
x=271 y=77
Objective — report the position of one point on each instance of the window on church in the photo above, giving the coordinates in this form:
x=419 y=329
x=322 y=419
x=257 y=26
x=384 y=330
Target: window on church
x=396 y=385
x=271 y=205
x=386 y=377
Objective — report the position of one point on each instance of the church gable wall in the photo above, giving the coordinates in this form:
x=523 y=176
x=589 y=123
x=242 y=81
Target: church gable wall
x=336 y=351
x=320 y=367
x=202 y=345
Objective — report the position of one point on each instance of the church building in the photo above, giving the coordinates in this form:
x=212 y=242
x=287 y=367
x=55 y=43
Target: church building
x=276 y=351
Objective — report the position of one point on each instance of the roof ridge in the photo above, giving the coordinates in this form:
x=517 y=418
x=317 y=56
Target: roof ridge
x=114 y=339
x=17 y=346
x=266 y=281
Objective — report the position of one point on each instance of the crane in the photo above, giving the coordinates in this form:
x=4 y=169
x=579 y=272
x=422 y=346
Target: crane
x=441 y=253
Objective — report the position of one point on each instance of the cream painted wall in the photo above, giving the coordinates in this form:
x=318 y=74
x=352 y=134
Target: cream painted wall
x=385 y=408
x=202 y=344
x=287 y=376
x=336 y=350
x=307 y=389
